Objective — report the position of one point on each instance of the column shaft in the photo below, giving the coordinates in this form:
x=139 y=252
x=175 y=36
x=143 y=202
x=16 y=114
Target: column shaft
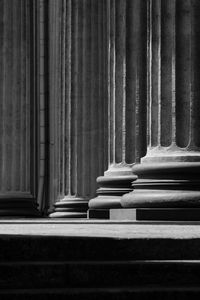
x=21 y=161
x=126 y=98
x=173 y=105
x=77 y=140
x=169 y=173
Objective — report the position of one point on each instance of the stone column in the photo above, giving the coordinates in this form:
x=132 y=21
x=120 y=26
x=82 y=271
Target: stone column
x=77 y=103
x=125 y=38
x=169 y=174
x=21 y=99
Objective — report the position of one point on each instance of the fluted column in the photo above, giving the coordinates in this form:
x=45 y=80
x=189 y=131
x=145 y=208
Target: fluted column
x=21 y=98
x=169 y=174
x=77 y=103
x=125 y=38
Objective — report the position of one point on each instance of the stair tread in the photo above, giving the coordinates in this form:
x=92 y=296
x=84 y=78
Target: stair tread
x=99 y=274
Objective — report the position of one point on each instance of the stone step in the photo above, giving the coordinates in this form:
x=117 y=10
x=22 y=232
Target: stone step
x=41 y=248
x=158 y=265
x=17 y=275
x=105 y=294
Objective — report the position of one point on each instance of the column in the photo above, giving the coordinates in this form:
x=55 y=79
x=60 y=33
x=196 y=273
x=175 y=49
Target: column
x=125 y=63
x=168 y=186
x=22 y=135
x=76 y=104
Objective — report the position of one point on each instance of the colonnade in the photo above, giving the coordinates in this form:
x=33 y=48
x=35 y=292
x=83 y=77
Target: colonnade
x=100 y=108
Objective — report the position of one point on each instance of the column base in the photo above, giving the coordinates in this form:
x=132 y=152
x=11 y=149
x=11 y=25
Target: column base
x=155 y=214
x=70 y=207
x=110 y=191
x=165 y=185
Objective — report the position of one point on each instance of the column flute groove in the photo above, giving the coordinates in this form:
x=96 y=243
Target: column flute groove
x=69 y=204
x=19 y=145
x=79 y=131
x=168 y=176
x=126 y=98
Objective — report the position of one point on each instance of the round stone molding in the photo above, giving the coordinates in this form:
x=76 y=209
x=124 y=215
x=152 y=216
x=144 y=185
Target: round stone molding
x=175 y=184
x=110 y=191
x=70 y=207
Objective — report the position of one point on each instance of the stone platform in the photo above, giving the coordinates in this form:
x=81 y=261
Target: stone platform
x=80 y=259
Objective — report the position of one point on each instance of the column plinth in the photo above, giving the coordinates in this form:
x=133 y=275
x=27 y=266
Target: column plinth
x=169 y=174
